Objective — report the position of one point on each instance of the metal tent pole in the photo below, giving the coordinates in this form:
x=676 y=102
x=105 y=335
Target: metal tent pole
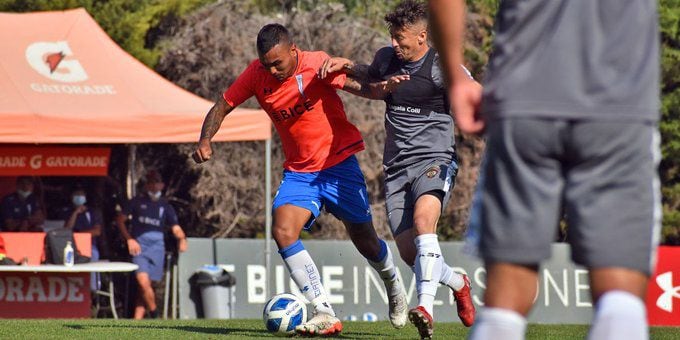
x=268 y=215
x=131 y=175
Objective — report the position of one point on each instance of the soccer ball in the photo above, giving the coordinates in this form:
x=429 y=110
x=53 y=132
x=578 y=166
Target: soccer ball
x=283 y=312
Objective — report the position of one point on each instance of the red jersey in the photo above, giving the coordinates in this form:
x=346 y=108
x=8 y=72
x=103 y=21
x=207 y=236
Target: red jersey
x=306 y=111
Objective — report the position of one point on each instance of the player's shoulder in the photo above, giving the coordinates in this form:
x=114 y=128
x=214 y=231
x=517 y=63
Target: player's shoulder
x=386 y=51
x=313 y=58
x=384 y=54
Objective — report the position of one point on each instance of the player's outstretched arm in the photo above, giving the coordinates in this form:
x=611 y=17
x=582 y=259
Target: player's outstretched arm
x=211 y=124
x=375 y=90
x=344 y=65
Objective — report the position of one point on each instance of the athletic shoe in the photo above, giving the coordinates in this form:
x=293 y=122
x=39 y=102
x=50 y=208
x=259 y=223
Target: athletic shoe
x=466 y=309
x=422 y=320
x=398 y=310
x=321 y=324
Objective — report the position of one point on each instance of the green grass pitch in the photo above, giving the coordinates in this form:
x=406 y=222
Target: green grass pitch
x=237 y=329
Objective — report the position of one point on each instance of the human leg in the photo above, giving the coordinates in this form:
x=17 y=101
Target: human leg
x=431 y=269
x=145 y=295
x=345 y=196
x=522 y=171
x=618 y=247
x=150 y=261
x=364 y=237
x=295 y=206
x=288 y=222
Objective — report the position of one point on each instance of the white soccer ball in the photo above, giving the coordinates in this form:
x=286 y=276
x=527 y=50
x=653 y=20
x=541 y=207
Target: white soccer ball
x=283 y=312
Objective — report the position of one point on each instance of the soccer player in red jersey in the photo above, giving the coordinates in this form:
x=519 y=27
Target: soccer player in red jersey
x=320 y=169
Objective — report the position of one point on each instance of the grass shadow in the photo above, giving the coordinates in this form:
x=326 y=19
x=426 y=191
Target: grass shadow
x=189 y=329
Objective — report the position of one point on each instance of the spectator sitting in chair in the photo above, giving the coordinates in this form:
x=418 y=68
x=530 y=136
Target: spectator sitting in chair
x=81 y=218
x=150 y=215
x=21 y=210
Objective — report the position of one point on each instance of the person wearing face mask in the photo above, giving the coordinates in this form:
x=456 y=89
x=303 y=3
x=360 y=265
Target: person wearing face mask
x=21 y=210
x=81 y=218
x=149 y=215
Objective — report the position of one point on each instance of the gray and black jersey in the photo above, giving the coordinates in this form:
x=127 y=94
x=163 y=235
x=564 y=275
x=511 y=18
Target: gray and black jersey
x=574 y=59
x=417 y=119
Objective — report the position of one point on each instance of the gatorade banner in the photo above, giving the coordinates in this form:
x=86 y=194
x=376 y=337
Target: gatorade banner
x=53 y=161
x=44 y=295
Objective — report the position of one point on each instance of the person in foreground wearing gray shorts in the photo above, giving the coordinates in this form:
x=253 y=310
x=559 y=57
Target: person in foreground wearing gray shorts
x=419 y=159
x=570 y=107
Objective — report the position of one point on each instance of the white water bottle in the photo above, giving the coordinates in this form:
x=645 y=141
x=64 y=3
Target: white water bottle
x=68 y=254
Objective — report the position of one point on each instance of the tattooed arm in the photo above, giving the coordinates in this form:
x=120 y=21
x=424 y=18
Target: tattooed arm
x=350 y=68
x=211 y=124
x=375 y=90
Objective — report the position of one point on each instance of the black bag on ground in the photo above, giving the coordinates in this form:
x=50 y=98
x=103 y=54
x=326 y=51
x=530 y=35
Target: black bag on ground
x=55 y=242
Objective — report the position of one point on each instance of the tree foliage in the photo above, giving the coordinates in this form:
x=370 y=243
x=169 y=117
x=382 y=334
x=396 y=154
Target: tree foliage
x=204 y=49
x=669 y=19
x=136 y=25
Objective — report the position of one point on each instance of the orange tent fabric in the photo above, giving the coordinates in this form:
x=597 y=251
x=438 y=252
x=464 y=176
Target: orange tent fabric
x=63 y=80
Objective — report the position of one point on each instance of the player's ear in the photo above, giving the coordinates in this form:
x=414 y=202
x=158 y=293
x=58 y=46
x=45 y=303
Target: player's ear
x=422 y=37
x=293 y=49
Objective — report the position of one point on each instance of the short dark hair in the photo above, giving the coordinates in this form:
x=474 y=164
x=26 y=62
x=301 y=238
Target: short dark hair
x=152 y=176
x=407 y=13
x=270 y=35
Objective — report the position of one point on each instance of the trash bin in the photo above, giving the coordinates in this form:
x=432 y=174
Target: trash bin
x=216 y=292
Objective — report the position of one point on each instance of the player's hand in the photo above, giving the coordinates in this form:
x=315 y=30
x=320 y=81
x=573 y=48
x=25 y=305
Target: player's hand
x=133 y=247
x=182 y=245
x=466 y=97
x=204 y=151
x=80 y=209
x=394 y=81
x=333 y=64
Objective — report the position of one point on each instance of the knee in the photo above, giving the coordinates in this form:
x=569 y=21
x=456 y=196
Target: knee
x=143 y=281
x=424 y=224
x=284 y=236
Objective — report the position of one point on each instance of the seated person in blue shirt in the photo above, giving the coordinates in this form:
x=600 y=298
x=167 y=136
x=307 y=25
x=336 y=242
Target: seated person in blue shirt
x=150 y=216
x=83 y=219
x=21 y=210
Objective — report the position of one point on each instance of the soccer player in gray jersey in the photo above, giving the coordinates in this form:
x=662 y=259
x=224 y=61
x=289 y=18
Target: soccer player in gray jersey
x=570 y=108
x=419 y=157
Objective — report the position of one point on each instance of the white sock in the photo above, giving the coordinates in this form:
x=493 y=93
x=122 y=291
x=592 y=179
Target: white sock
x=428 y=270
x=498 y=323
x=450 y=278
x=619 y=315
x=306 y=276
x=384 y=265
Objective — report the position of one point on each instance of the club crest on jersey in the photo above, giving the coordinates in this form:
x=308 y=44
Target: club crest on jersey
x=298 y=78
x=431 y=172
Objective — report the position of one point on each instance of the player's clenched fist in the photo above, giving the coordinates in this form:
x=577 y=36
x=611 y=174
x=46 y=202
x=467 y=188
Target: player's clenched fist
x=203 y=152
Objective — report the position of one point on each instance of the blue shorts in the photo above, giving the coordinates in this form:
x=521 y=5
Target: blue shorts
x=151 y=260
x=340 y=189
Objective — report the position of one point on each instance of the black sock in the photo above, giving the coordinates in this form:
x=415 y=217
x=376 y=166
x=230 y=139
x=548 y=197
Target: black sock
x=153 y=314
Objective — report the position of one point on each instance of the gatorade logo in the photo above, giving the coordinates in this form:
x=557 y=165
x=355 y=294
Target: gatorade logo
x=54 y=60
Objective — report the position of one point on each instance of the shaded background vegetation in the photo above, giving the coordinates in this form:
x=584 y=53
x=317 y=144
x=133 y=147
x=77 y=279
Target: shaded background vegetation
x=202 y=45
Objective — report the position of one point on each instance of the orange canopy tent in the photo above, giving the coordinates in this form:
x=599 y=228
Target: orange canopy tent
x=63 y=80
